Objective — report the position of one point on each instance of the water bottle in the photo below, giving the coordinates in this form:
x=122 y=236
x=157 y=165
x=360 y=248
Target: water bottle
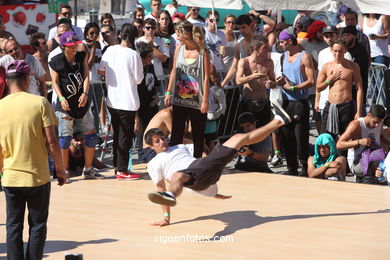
x=130 y=165
x=382 y=167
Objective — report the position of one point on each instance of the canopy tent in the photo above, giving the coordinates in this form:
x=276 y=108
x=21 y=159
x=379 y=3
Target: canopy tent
x=222 y=4
x=365 y=6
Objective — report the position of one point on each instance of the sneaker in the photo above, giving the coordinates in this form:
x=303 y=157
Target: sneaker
x=279 y=111
x=93 y=174
x=162 y=198
x=127 y=176
x=276 y=161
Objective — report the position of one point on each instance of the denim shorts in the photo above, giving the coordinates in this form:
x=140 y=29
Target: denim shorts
x=67 y=127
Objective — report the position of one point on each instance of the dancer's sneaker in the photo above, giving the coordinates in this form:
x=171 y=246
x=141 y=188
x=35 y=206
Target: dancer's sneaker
x=280 y=112
x=162 y=198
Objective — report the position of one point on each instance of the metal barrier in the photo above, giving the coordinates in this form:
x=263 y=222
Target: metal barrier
x=227 y=124
x=377 y=92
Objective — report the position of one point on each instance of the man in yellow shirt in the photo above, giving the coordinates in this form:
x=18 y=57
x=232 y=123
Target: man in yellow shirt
x=28 y=123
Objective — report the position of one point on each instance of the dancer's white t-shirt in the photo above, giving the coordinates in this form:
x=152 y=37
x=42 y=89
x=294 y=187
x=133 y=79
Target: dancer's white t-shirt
x=176 y=158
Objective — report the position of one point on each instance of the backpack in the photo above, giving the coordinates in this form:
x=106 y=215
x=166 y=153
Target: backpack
x=217 y=103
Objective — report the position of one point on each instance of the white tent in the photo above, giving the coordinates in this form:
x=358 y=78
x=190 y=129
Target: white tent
x=223 y=4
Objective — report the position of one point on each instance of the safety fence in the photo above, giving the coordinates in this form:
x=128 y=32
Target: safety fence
x=378 y=91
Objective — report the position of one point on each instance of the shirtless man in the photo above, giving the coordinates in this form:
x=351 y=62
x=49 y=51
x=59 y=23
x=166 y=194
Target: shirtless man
x=340 y=74
x=242 y=49
x=162 y=120
x=256 y=73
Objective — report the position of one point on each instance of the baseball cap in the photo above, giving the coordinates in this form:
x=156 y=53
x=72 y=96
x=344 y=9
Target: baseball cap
x=69 y=39
x=343 y=9
x=350 y=29
x=329 y=29
x=179 y=16
x=18 y=66
x=306 y=20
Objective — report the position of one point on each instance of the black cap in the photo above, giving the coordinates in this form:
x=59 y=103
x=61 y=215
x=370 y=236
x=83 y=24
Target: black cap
x=349 y=29
x=329 y=29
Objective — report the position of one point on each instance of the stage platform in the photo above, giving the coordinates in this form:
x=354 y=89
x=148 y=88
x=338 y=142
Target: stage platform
x=270 y=216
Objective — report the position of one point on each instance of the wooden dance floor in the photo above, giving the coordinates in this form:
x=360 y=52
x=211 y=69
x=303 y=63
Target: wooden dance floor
x=270 y=216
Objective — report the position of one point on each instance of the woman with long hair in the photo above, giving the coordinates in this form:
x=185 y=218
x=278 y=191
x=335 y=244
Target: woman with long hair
x=188 y=87
x=107 y=19
x=139 y=13
x=165 y=31
x=231 y=40
x=376 y=27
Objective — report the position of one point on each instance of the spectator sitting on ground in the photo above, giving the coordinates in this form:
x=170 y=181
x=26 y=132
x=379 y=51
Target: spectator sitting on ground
x=255 y=156
x=326 y=164
x=360 y=135
x=76 y=156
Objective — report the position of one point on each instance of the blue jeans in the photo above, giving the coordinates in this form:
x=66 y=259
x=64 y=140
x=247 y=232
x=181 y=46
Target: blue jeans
x=37 y=201
x=382 y=60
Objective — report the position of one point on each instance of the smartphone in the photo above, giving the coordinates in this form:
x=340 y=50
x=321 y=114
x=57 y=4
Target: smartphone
x=288 y=80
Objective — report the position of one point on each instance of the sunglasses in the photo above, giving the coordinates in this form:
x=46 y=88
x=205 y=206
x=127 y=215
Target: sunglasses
x=14 y=49
x=195 y=10
x=150 y=28
x=93 y=33
x=66 y=14
x=211 y=20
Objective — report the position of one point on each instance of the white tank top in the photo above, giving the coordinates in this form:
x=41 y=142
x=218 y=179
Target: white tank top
x=379 y=46
x=373 y=133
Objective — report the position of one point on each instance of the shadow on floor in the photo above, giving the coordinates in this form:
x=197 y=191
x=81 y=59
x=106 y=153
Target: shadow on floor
x=52 y=246
x=238 y=220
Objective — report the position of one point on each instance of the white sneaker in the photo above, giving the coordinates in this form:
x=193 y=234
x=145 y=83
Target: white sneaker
x=276 y=160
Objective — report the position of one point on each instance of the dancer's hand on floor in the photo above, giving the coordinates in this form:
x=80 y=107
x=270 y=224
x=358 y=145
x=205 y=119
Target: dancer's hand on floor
x=160 y=223
x=222 y=197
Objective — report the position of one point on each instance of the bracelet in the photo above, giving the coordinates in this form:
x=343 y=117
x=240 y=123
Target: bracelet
x=166 y=215
x=168 y=93
x=85 y=93
x=292 y=88
x=61 y=98
x=327 y=165
x=327 y=81
x=277 y=151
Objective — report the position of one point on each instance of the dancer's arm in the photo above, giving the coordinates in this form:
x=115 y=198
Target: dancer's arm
x=166 y=209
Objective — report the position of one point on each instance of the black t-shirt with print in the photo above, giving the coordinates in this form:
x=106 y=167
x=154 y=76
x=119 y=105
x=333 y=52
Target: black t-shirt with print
x=148 y=87
x=71 y=82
